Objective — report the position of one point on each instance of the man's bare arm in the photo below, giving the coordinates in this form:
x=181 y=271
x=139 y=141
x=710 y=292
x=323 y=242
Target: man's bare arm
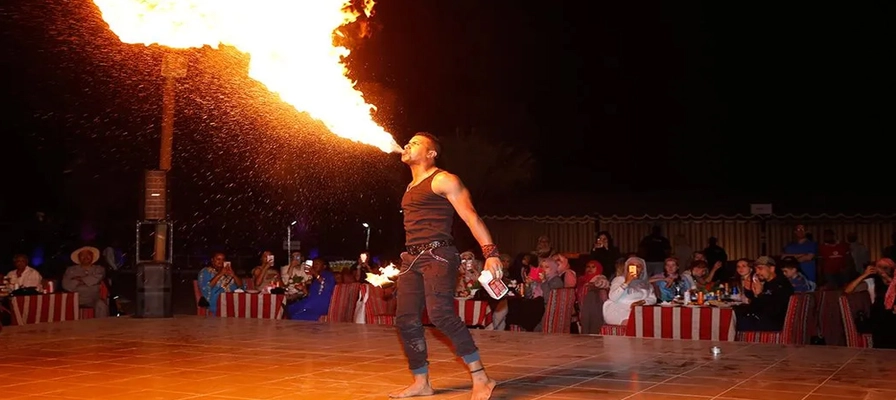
x=450 y=186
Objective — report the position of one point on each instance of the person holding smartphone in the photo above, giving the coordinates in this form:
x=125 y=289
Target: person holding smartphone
x=294 y=274
x=215 y=279
x=266 y=274
x=361 y=267
x=630 y=288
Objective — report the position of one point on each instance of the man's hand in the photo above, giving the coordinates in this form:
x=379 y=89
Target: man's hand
x=493 y=265
x=757 y=287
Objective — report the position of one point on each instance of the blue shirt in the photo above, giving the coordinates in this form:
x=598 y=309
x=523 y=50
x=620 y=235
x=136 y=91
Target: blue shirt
x=317 y=303
x=807 y=247
x=212 y=292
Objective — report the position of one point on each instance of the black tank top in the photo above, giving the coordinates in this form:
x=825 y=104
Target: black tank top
x=428 y=217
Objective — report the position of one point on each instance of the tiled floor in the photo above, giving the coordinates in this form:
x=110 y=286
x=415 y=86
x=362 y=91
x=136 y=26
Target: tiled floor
x=209 y=358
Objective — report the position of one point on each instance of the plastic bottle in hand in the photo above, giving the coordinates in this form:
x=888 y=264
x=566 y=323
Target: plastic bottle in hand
x=494 y=287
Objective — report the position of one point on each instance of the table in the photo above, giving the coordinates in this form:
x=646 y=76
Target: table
x=49 y=307
x=685 y=323
x=472 y=312
x=251 y=305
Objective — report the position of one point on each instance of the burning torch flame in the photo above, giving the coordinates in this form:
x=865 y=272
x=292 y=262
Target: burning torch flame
x=290 y=43
x=384 y=277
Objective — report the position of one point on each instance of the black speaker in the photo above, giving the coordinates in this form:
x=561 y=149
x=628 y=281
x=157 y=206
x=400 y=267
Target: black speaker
x=154 y=290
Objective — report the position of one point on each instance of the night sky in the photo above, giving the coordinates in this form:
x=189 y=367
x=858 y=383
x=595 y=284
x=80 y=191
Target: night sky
x=609 y=97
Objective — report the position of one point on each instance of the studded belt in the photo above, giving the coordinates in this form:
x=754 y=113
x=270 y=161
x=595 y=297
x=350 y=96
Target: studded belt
x=419 y=248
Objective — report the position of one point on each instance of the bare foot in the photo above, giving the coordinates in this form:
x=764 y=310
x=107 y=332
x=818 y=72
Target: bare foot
x=417 y=389
x=482 y=387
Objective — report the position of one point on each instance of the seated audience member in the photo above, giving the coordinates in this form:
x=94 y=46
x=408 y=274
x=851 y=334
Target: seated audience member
x=266 y=274
x=565 y=272
x=215 y=279
x=593 y=277
x=86 y=278
x=467 y=273
x=294 y=273
x=629 y=288
x=744 y=279
x=669 y=281
x=878 y=281
x=23 y=275
x=790 y=267
x=697 y=276
x=317 y=302
x=529 y=312
x=772 y=291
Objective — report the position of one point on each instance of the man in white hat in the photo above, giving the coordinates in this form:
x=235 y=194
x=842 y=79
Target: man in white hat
x=85 y=278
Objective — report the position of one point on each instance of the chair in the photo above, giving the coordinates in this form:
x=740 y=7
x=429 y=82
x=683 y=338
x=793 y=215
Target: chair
x=378 y=310
x=854 y=338
x=557 y=312
x=795 y=328
x=197 y=294
x=342 y=304
x=89 y=312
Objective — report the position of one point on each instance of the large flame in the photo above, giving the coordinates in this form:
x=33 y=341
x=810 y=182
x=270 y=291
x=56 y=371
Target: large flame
x=384 y=277
x=290 y=43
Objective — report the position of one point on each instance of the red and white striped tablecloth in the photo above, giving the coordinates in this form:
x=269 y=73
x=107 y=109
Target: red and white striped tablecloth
x=685 y=323
x=50 y=307
x=251 y=305
x=472 y=312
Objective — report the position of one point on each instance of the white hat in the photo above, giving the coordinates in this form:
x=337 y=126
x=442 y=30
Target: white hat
x=93 y=252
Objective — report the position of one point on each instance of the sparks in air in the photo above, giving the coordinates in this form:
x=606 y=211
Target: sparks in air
x=290 y=44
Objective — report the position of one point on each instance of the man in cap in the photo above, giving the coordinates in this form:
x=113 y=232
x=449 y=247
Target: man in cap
x=768 y=299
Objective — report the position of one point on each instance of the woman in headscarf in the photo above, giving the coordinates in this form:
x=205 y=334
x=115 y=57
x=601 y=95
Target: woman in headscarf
x=627 y=290
x=593 y=277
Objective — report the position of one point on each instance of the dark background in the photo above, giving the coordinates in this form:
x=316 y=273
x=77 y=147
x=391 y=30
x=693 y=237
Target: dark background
x=698 y=107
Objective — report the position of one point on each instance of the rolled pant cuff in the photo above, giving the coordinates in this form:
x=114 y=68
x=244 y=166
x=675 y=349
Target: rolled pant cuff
x=472 y=357
x=421 y=371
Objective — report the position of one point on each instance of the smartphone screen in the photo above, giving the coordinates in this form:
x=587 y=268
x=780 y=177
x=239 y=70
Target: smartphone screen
x=308 y=263
x=363 y=257
x=226 y=264
x=633 y=270
x=271 y=259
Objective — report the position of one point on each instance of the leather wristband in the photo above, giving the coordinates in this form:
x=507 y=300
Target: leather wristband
x=490 y=250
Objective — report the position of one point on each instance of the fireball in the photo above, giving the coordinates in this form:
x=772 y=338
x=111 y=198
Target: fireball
x=289 y=42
